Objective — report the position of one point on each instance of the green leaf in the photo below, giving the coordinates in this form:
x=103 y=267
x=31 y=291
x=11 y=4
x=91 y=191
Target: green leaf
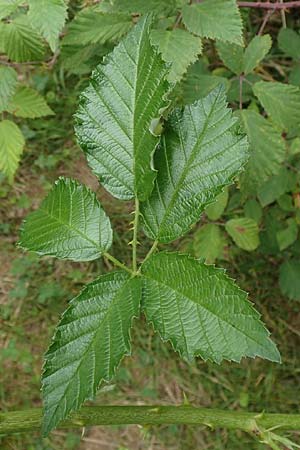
x=199 y=154
x=91 y=27
x=255 y=52
x=244 y=231
x=232 y=56
x=89 y=343
x=199 y=86
x=219 y=19
x=274 y=187
x=21 y=42
x=216 y=209
x=116 y=112
x=253 y=210
x=267 y=151
x=289 y=42
x=202 y=311
x=11 y=147
x=239 y=60
x=288 y=235
x=208 y=243
x=8 y=7
x=8 y=83
x=289 y=279
x=178 y=47
x=164 y=7
x=27 y=102
x=294 y=75
x=48 y=17
x=69 y=224
x=281 y=102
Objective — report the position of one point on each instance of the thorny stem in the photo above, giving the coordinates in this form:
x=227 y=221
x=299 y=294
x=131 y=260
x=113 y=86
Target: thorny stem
x=135 y=234
x=253 y=423
x=269 y=5
x=118 y=263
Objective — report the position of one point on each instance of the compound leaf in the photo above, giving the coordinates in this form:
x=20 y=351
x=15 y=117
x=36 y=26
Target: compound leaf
x=48 y=17
x=281 y=101
x=69 y=224
x=116 y=112
x=89 y=343
x=232 y=56
x=20 y=41
x=26 y=102
x=219 y=19
x=93 y=27
x=267 y=150
x=289 y=279
x=8 y=83
x=257 y=49
x=199 y=154
x=202 y=311
x=244 y=231
x=289 y=42
x=178 y=47
x=11 y=147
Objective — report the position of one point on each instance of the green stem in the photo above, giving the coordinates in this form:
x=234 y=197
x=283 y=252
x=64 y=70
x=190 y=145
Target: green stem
x=27 y=420
x=118 y=263
x=135 y=234
x=152 y=249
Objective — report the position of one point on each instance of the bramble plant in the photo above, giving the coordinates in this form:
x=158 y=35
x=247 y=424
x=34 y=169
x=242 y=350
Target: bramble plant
x=190 y=112
x=195 y=306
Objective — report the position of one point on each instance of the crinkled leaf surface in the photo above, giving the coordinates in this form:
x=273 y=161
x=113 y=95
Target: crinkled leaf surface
x=232 y=56
x=202 y=311
x=244 y=231
x=89 y=343
x=48 y=17
x=267 y=150
x=20 y=41
x=281 y=101
x=26 y=102
x=144 y=7
x=199 y=154
x=91 y=26
x=69 y=224
x=8 y=83
x=218 y=19
x=8 y=7
x=116 y=112
x=11 y=147
x=179 y=48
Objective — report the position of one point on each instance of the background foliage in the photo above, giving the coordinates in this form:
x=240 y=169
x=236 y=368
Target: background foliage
x=252 y=228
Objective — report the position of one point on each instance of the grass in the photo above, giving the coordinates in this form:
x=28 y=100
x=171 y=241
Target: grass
x=34 y=292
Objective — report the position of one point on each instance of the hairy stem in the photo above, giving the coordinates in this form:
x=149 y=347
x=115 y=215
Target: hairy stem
x=27 y=420
x=135 y=234
x=118 y=263
x=269 y=5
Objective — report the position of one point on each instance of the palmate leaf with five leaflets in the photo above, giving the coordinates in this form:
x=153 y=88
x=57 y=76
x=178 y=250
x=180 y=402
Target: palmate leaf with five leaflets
x=90 y=341
x=199 y=154
x=48 y=18
x=219 y=19
x=116 y=112
x=202 y=311
x=70 y=224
